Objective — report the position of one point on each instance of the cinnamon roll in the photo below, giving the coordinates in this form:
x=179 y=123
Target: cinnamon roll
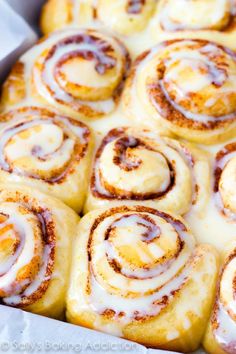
x=225 y=181
x=79 y=72
x=221 y=333
x=192 y=15
x=36 y=235
x=46 y=151
x=216 y=224
x=124 y=16
x=159 y=93
x=134 y=270
x=133 y=165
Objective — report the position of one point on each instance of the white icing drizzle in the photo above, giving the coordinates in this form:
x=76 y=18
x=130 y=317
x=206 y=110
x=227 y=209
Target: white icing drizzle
x=51 y=89
x=160 y=280
x=175 y=57
x=25 y=229
x=225 y=309
x=15 y=300
x=226 y=332
x=42 y=141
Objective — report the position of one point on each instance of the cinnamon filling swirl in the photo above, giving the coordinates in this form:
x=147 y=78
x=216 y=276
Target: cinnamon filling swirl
x=83 y=71
x=39 y=144
x=135 y=165
x=27 y=251
x=158 y=262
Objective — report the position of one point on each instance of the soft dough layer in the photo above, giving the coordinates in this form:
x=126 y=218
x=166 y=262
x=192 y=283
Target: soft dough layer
x=133 y=165
x=46 y=151
x=221 y=333
x=37 y=234
x=134 y=271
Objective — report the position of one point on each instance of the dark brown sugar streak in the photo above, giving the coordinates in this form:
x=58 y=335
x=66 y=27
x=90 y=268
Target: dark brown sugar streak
x=134 y=7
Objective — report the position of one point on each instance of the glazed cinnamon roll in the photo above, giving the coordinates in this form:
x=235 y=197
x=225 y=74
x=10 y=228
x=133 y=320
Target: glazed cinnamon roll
x=134 y=270
x=192 y=15
x=46 y=151
x=217 y=221
x=124 y=16
x=79 y=72
x=221 y=333
x=187 y=86
x=36 y=235
x=224 y=180
x=133 y=165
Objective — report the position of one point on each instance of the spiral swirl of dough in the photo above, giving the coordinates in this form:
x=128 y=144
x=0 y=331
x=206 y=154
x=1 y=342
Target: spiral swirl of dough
x=196 y=14
x=158 y=91
x=36 y=234
x=39 y=144
x=131 y=265
x=27 y=244
x=133 y=165
x=46 y=151
x=82 y=72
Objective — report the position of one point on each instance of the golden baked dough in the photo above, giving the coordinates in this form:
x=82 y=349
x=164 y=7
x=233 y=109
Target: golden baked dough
x=133 y=165
x=123 y=16
x=46 y=151
x=213 y=20
x=195 y=14
x=35 y=250
x=57 y=14
x=79 y=72
x=221 y=333
x=216 y=222
x=134 y=272
x=207 y=19
x=158 y=91
x=144 y=23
